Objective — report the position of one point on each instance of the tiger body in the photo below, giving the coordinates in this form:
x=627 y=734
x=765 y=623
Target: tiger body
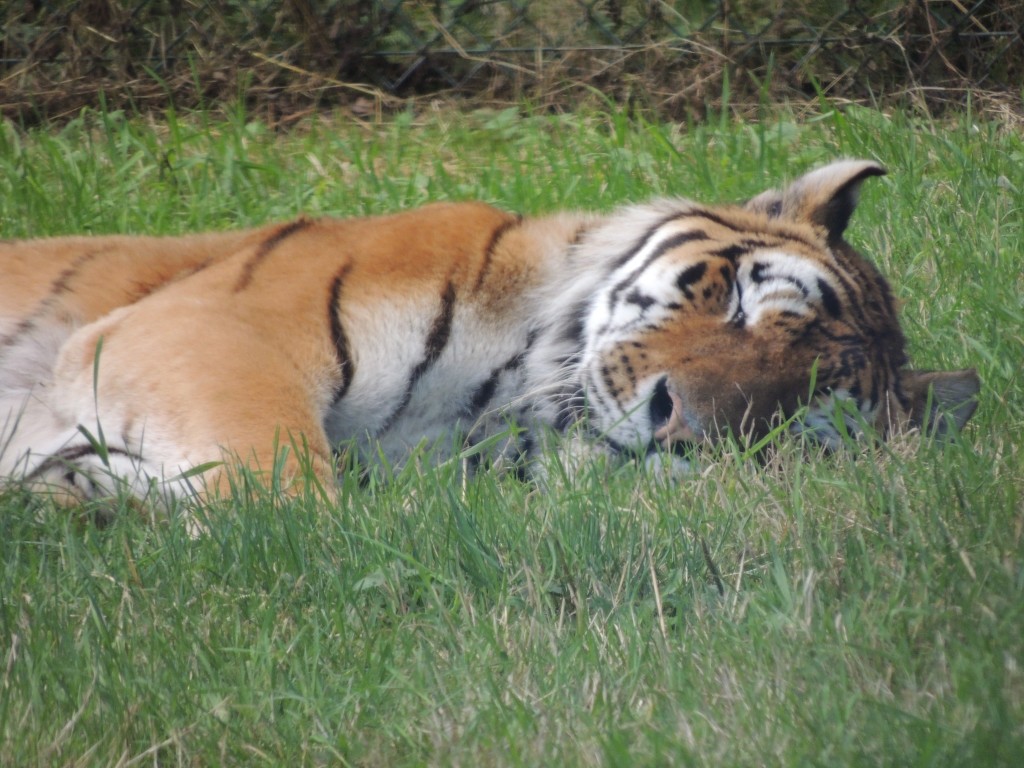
x=129 y=361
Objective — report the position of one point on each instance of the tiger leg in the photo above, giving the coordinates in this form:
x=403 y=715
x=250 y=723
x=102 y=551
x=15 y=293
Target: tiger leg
x=191 y=419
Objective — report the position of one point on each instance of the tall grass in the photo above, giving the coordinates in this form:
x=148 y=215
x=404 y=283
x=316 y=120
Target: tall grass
x=866 y=608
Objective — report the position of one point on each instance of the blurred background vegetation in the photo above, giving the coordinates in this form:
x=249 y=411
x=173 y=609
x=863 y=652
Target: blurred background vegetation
x=676 y=57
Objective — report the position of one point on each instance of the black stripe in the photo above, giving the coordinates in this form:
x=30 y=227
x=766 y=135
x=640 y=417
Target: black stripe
x=731 y=252
x=338 y=337
x=65 y=456
x=794 y=282
x=485 y=391
x=525 y=448
x=797 y=237
x=266 y=247
x=641 y=300
x=689 y=276
x=531 y=338
x=777 y=228
x=60 y=285
x=433 y=346
x=754 y=243
x=441 y=329
x=572 y=329
x=193 y=270
x=577 y=236
x=716 y=219
x=850 y=286
x=829 y=298
x=19 y=330
x=646 y=238
x=496 y=237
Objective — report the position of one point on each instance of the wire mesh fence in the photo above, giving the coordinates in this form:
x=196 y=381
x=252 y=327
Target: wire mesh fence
x=674 y=55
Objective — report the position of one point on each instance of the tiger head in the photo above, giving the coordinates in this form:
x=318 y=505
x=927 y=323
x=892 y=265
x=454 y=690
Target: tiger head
x=718 y=320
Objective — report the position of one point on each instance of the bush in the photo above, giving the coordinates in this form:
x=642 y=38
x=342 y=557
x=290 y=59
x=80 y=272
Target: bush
x=676 y=56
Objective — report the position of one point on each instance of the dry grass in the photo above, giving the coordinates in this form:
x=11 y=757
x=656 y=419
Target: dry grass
x=678 y=58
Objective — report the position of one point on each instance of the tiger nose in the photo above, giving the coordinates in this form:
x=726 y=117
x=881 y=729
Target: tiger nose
x=666 y=409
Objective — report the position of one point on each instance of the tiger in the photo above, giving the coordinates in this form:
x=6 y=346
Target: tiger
x=156 y=366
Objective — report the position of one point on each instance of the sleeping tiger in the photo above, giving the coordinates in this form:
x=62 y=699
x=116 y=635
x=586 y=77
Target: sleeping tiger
x=156 y=365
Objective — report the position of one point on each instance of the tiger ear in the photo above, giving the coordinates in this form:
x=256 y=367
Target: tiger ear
x=941 y=402
x=826 y=197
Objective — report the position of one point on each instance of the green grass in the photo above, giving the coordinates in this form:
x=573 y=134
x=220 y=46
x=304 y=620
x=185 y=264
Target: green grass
x=863 y=609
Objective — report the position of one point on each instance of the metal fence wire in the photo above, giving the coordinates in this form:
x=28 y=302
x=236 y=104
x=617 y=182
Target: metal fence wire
x=63 y=54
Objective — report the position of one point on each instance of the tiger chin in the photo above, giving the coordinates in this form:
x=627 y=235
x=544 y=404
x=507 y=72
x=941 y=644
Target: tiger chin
x=157 y=365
